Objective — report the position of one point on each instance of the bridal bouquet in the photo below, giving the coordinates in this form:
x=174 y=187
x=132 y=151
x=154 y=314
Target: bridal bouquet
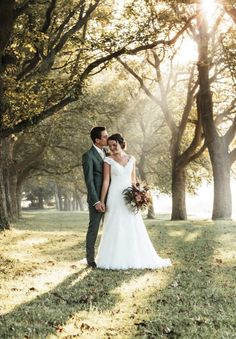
x=137 y=197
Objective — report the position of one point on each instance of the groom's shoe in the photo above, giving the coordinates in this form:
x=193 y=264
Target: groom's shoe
x=92 y=264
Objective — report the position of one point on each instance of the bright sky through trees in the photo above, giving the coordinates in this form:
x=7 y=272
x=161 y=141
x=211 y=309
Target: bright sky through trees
x=209 y=8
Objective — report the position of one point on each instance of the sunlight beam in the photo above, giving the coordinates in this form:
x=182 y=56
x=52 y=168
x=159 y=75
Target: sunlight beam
x=209 y=8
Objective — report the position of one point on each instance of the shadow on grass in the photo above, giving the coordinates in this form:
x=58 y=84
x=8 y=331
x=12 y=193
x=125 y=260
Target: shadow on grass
x=196 y=304
x=81 y=291
x=66 y=252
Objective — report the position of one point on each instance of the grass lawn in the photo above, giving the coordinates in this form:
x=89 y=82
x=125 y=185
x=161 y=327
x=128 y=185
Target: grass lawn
x=46 y=292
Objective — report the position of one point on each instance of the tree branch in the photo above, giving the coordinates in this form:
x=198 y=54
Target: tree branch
x=188 y=155
x=29 y=164
x=188 y=104
x=6 y=23
x=36 y=119
x=198 y=153
x=48 y=60
x=140 y=80
x=78 y=86
x=80 y=23
x=232 y=156
x=56 y=172
x=165 y=42
x=48 y=17
x=219 y=118
x=66 y=20
x=229 y=9
x=230 y=134
x=163 y=105
x=22 y=9
x=163 y=102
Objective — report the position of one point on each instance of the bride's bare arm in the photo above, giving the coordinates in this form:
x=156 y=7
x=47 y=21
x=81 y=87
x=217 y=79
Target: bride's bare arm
x=106 y=181
x=133 y=175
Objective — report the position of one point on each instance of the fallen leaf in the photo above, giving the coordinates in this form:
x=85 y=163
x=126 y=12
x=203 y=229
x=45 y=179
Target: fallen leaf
x=174 y=284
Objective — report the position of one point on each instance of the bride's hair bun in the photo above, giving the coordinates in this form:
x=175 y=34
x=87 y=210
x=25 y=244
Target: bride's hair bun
x=118 y=138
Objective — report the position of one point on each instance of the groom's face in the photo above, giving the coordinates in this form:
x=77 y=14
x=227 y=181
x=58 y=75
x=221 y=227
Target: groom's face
x=103 y=139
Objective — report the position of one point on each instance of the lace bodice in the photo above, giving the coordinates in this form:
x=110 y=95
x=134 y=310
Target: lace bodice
x=121 y=173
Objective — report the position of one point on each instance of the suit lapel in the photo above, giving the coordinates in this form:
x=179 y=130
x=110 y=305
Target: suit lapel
x=96 y=154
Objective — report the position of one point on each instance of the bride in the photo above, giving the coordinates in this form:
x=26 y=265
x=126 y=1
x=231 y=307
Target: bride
x=125 y=242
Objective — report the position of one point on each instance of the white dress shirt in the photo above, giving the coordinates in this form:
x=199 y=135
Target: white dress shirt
x=100 y=151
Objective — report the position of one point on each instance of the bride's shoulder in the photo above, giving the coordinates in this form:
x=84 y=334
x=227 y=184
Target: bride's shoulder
x=131 y=157
x=108 y=160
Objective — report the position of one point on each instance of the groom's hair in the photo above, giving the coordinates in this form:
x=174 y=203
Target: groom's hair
x=96 y=133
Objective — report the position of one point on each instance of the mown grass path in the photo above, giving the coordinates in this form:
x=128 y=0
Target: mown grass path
x=45 y=292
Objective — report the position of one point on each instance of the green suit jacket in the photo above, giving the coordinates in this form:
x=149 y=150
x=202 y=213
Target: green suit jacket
x=93 y=173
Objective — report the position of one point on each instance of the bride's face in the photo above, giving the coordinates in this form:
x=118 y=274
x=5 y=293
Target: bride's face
x=114 y=146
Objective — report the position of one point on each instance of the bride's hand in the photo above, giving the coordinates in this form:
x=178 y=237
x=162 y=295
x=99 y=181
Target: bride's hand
x=103 y=207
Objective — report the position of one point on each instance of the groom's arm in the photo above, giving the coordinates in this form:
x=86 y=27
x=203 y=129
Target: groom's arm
x=87 y=164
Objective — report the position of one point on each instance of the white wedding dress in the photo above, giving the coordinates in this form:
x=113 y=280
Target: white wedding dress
x=125 y=242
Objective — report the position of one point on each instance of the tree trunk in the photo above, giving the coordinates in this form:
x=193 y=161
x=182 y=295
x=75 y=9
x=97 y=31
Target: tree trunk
x=80 y=201
x=18 y=198
x=10 y=179
x=66 y=206
x=14 y=199
x=4 y=223
x=77 y=207
x=40 y=200
x=178 y=193
x=217 y=146
x=6 y=24
x=140 y=172
x=73 y=202
x=8 y=193
x=222 y=204
x=151 y=213
x=58 y=197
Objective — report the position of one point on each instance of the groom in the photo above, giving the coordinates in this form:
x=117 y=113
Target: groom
x=92 y=162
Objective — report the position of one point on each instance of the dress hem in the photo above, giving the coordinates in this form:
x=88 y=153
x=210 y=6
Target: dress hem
x=134 y=268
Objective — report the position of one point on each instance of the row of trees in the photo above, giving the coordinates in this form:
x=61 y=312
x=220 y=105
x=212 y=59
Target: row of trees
x=50 y=51
x=40 y=192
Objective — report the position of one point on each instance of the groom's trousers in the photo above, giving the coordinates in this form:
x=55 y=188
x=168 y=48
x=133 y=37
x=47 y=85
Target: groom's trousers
x=94 y=221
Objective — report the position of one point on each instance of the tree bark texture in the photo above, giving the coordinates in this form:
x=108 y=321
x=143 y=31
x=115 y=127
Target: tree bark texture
x=58 y=197
x=40 y=199
x=217 y=146
x=222 y=203
x=178 y=193
x=6 y=24
x=4 y=223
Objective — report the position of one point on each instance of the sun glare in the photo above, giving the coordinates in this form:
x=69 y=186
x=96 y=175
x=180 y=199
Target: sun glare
x=209 y=8
x=187 y=52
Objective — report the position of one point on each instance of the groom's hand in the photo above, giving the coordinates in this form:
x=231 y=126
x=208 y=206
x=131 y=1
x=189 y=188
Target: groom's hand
x=99 y=206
